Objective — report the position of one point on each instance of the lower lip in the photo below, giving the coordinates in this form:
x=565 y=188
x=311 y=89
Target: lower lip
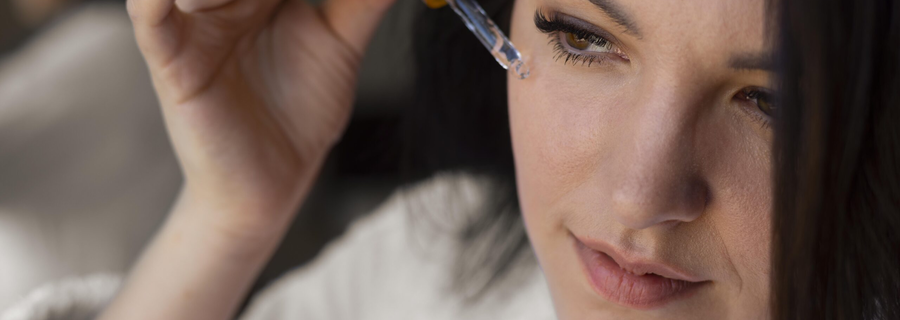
x=644 y=292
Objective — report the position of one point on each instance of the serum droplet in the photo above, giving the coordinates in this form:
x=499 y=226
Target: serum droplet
x=520 y=69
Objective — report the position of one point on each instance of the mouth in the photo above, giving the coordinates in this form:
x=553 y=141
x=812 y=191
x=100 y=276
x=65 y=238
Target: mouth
x=638 y=285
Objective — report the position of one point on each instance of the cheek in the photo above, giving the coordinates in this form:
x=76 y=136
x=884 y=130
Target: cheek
x=746 y=235
x=739 y=172
x=562 y=118
x=561 y=126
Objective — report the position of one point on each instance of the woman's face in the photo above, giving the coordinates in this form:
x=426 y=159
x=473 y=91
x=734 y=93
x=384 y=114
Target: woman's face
x=642 y=148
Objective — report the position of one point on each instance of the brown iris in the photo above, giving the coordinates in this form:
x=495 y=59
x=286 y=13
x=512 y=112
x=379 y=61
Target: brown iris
x=577 y=42
x=764 y=100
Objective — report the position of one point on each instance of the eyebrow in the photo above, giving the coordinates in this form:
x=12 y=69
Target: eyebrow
x=622 y=18
x=752 y=61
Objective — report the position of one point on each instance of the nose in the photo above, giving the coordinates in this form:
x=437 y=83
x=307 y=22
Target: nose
x=654 y=177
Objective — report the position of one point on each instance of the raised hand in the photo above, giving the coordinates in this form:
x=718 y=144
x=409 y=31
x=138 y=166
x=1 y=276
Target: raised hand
x=255 y=93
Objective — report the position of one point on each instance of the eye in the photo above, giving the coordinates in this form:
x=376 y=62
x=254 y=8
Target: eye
x=762 y=98
x=588 y=44
x=577 y=41
x=759 y=104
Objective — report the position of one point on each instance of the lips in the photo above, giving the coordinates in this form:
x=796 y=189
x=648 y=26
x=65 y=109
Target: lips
x=638 y=285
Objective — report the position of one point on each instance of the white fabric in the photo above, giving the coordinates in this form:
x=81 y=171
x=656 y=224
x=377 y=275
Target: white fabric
x=395 y=265
x=70 y=299
x=86 y=171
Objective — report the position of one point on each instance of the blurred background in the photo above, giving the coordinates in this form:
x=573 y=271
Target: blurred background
x=87 y=173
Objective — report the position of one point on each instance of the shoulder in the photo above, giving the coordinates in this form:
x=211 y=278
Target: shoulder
x=426 y=214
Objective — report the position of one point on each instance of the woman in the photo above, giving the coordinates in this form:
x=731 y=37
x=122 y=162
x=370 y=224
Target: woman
x=642 y=149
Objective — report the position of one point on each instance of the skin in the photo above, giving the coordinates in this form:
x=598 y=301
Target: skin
x=657 y=158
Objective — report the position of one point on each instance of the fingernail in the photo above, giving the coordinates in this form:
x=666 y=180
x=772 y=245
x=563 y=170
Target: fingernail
x=434 y=4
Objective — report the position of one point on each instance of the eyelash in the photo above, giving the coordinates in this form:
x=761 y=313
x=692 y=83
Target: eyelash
x=555 y=27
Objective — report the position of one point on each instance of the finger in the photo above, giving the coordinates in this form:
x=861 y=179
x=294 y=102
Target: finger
x=355 y=20
x=149 y=12
x=155 y=29
x=435 y=4
x=200 y=5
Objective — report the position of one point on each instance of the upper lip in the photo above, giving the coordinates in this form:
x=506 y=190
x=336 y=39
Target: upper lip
x=640 y=265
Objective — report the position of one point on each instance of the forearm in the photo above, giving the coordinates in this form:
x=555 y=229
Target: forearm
x=195 y=268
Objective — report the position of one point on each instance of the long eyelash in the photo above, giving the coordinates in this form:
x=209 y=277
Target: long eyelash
x=552 y=25
x=764 y=122
x=575 y=58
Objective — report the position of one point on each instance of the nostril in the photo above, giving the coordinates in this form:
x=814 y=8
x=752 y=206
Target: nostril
x=666 y=205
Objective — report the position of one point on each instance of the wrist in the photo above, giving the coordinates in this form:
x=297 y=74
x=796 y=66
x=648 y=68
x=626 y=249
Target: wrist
x=195 y=268
x=231 y=225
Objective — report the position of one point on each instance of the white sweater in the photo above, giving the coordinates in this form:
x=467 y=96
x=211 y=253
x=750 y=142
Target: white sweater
x=392 y=264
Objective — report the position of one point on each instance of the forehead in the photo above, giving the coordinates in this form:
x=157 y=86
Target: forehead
x=740 y=21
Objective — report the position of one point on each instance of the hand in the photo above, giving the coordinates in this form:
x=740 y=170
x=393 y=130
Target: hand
x=254 y=93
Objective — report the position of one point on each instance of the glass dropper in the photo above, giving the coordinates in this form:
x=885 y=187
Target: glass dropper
x=488 y=33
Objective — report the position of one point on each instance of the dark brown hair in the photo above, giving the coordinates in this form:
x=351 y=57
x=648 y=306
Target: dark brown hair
x=460 y=123
x=836 y=226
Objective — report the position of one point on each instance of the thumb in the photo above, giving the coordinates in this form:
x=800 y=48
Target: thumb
x=355 y=20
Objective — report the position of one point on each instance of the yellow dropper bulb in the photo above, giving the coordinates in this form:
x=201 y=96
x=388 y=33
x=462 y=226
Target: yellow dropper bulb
x=435 y=4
